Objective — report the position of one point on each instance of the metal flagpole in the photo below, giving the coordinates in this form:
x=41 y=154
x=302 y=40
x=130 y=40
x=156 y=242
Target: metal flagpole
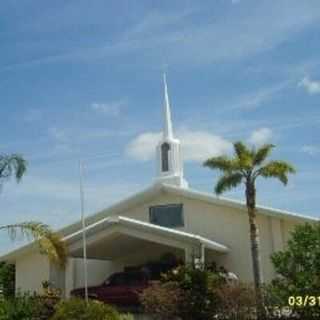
x=84 y=239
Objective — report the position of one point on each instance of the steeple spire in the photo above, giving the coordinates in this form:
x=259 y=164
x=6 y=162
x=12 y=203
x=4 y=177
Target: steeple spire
x=167 y=132
x=169 y=158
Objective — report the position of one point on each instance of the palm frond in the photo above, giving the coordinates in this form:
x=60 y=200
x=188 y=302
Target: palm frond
x=227 y=182
x=50 y=243
x=276 y=169
x=244 y=155
x=13 y=164
x=222 y=163
x=262 y=153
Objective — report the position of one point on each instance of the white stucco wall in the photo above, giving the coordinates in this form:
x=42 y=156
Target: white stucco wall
x=31 y=270
x=98 y=271
x=229 y=226
x=226 y=225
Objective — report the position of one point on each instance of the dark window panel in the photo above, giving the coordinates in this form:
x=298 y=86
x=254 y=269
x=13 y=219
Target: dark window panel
x=165 y=147
x=167 y=215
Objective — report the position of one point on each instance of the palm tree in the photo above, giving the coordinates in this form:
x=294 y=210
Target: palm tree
x=50 y=243
x=245 y=167
x=13 y=164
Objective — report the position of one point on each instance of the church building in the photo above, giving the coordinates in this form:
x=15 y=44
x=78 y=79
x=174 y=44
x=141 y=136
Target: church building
x=167 y=217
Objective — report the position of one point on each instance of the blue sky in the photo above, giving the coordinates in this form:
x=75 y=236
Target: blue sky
x=84 y=80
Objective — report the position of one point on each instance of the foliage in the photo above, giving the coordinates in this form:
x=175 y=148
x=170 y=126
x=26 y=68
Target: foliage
x=49 y=298
x=246 y=166
x=7 y=279
x=186 y=293
x=30 y=306
x=236 y=301
x=298 y=269
x=126 y=317
x=162 y=300
x=78 y=309
x=10 y=165
x=22 y=307
x=50 y=243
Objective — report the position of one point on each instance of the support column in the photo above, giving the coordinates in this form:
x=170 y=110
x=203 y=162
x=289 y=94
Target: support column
x=189 y=256
x=202 y=255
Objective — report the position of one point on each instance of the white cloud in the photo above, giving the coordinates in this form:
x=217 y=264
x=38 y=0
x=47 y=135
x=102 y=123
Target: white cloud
x=260 y=136
x=143 y=146
x=196 y=145
x=310 y=149
x=200 y=145
x=110 y=109
x=311 y=86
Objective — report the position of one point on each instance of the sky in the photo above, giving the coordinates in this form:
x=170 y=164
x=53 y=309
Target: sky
x=82 y=80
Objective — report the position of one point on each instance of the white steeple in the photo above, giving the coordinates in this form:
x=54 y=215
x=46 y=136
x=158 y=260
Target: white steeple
x=167 y=132
x=169 y=158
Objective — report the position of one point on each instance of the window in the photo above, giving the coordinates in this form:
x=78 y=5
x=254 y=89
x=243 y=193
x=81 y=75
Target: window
x=167 y=215
x=165 y=147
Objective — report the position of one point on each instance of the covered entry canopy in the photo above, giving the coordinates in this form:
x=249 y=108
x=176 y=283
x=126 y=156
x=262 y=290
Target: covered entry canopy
x=113 y=237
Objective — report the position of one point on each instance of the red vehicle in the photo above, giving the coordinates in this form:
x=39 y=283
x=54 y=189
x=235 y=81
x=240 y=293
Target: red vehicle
x=121 y=289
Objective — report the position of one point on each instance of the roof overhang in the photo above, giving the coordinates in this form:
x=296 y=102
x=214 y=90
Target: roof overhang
x=112 y=236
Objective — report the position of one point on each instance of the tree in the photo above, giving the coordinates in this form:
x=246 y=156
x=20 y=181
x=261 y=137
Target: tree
x=10 y=165
x=246 y=165
x=298 y=270
x=50 y=243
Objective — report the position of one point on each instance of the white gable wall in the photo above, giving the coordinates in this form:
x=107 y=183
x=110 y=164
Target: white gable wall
x=228 y=226
x=31 y=270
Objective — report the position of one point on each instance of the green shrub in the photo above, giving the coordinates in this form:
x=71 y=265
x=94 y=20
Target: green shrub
x=22 y=307
x=7 y=279
x=78 y=309
x=236 y=301
x=163 y=301
x=298 y=270
x=186 y=293
x=126 y=317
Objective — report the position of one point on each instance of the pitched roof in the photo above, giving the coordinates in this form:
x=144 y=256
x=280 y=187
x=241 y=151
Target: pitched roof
x=145 y=226
x=154 y=190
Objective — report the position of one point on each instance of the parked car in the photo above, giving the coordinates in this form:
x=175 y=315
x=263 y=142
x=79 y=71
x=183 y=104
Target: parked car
x=121 y=289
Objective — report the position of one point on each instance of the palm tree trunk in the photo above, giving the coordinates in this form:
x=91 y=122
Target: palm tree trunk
x=255 y=250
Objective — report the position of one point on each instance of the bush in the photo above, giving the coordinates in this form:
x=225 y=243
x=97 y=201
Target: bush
x=162 y=300
x=126 y=317
x=298 y=270
x=30 y=306
x=185 y=292
x=236 y=301
x=22 y=307
x=7 y=279
x=78 y=309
